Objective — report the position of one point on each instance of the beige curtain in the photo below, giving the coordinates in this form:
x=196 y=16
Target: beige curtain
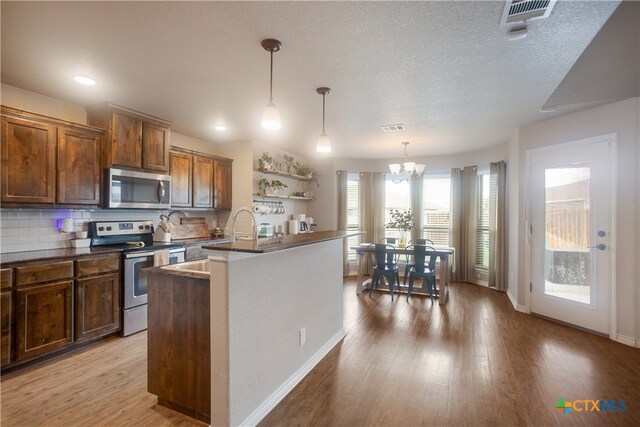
x=416 y=186
x=498 y=226
x=371 y=199
x=463 y=222
x=342 y=217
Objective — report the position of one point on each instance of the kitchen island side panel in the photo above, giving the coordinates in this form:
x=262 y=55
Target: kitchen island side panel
x=270 y=297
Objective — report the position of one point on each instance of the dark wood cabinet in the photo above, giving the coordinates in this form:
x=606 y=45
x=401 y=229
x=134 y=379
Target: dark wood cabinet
x=125 y=145
x=97 y=297
x=199 y=180
x=48 y=161
x=6 y=321
x=28 y=161
x=222 y=184
x=134 y=140
x=202 y=182
x=43 y=319
x=97 y=306
x=181 y=179
x=78 y=167
x=155 y=146
x=49 y=306
x=6 y=315
x=179 y=353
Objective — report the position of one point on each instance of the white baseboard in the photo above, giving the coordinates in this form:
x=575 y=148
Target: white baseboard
x=518 y=307
x=280 y=393
x=623 y=339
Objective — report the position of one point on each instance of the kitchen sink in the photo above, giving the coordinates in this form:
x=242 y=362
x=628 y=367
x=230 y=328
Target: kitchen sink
x=199 y=268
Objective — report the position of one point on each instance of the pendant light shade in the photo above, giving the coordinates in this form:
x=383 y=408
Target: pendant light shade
x=271 y=116
x=324 y=143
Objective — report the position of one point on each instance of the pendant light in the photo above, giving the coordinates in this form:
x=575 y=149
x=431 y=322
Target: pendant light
x=406 y=170
x=324 y=144
x=271 y=117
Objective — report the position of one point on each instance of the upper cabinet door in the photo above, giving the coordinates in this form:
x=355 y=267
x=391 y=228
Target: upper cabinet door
x=28 y=161
x=202 y=182
x=181 y=175
x=222 y=184
x=155 y=147
x=126 y=141
x=78 y=167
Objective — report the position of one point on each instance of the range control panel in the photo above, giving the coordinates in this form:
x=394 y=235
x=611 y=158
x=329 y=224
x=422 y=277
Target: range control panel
x=119 y=228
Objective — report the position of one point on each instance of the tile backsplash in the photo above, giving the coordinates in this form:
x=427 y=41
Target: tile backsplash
x=37 y=229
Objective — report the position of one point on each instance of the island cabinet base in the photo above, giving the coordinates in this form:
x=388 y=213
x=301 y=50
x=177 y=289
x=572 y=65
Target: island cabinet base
x=179 y=362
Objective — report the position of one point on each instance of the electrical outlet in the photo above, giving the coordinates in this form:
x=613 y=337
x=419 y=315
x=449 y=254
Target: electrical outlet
x=303 y=336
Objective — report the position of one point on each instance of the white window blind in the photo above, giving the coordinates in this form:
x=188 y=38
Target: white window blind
x=436 y=198
x=397 y=196
x=482 y=230
x=353 y=218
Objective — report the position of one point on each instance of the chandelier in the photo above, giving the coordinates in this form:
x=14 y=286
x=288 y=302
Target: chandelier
x=407 y=170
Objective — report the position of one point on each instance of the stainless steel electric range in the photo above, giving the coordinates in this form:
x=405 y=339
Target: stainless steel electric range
x=139 y=253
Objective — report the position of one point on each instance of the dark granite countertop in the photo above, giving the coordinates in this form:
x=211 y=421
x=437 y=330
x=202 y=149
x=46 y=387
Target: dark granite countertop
x=11 y=258
x=288 y=241
x=202 y=240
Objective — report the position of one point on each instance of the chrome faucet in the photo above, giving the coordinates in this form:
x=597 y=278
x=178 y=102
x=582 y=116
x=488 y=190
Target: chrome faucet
x=254 y=225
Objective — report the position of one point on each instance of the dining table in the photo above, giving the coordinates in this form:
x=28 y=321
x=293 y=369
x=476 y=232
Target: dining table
x=363 y=250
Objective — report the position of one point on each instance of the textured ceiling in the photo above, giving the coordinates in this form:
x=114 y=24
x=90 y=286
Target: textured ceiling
x=444 y=69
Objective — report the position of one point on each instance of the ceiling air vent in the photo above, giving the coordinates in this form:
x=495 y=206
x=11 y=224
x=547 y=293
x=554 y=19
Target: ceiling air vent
x=525 y=10
x=393 y=128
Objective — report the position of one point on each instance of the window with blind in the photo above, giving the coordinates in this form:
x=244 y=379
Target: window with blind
x=482 y=226
x=397 y=196
x=353 y=217
x=436 y=197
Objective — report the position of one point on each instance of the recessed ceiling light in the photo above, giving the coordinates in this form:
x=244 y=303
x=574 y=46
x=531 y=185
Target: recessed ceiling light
x=84 y=80
x=220 y=128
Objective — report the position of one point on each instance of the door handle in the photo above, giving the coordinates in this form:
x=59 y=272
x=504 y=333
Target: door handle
x=600 y=247
x=161 y=191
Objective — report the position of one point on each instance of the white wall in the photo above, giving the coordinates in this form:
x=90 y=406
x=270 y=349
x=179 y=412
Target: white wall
x=513 y=173
x=292 y=206
x=266 y=299
x=622 y=118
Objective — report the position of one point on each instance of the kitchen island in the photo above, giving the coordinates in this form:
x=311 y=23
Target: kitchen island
x=275 y=310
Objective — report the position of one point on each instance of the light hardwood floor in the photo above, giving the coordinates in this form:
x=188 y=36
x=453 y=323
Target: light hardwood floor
x=474 y=361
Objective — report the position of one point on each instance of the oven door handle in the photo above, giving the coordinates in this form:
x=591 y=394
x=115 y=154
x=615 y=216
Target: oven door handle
x=138 y=255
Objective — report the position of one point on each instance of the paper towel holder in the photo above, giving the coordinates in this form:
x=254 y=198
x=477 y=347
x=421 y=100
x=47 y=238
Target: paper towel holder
x=65 y=225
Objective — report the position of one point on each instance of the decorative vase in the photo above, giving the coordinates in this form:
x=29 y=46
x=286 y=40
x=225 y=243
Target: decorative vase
x=402 y=239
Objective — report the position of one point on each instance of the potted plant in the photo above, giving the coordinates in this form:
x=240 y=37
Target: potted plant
x=266 y=186
x=402 y=221
x=290 y=162
x=267 y=163
x=307 y=172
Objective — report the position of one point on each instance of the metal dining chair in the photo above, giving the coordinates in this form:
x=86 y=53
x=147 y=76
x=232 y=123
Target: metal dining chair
x=410 y=262
x=384 y=268
x=391 y=257
x=424 y=268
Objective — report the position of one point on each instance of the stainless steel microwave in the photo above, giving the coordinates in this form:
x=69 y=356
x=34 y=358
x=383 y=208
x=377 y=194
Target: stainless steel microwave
x=138 y=190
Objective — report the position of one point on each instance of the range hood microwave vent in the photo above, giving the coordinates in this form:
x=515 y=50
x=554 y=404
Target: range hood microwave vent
x=525 y=10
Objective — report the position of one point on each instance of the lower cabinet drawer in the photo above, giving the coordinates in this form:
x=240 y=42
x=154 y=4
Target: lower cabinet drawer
x=44 y=317
x=39 y=273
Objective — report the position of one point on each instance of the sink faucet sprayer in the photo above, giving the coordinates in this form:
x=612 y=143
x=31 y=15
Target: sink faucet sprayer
x=254 y=225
